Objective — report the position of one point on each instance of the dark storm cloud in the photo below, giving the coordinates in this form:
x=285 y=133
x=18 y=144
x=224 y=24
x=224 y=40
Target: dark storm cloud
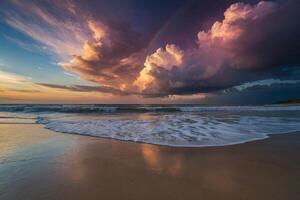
x=249 y=44
x=273 y=40
x=257 y=94
x=112 y=58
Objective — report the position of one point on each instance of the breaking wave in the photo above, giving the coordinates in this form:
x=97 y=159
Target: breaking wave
x=187 y=130
x=136 y=108
x=188 y=126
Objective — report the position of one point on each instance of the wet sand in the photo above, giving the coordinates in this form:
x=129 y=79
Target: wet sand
x=36 y=163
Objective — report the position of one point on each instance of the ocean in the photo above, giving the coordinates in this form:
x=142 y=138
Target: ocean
x=170 y=125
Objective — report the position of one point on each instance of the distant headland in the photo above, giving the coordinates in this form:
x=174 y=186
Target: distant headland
x=290 y=101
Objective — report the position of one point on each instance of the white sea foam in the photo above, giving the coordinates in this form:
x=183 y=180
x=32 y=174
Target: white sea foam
x=160 y=124
x=190 y=130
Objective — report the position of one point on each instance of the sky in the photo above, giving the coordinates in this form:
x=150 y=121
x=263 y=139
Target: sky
x=146 y=52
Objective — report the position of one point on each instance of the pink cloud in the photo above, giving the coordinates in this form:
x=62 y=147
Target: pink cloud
x=217 y=49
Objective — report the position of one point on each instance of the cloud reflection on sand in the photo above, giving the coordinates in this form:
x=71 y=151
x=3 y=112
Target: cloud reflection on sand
x=172 y=164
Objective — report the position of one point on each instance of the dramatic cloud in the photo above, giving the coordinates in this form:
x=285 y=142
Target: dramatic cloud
x=245 y=46
x=163 y=58
x=112 y=57
x=98 y=50
x=250 y=42
x=257 y=94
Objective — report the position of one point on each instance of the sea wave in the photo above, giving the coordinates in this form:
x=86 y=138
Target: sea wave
x=189 y=130
x=176 y=125
x=137 y=109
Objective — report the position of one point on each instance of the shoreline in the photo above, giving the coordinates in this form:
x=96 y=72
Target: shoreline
x=36 y=163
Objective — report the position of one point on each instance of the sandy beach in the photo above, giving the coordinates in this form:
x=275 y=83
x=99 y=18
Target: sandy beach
x=36 y=163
